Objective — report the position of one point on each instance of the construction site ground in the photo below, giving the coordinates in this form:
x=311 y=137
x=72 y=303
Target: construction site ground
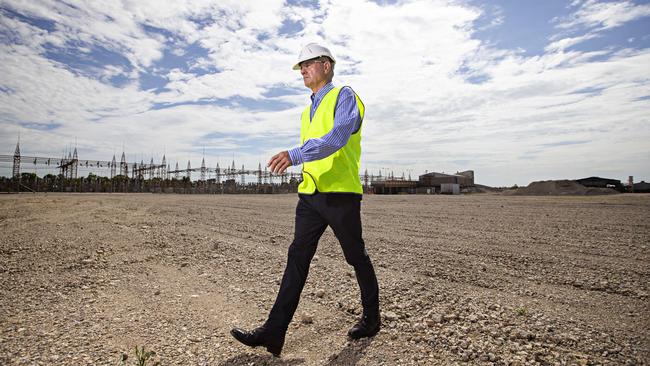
x=480 y=279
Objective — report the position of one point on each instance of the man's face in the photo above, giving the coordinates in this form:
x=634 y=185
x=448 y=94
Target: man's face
x=314 y=72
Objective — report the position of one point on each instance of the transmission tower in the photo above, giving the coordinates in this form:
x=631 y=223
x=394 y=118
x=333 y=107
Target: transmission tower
x=16 y=167
x=150 y=169
x=203 y=170
x=162 y=172
x=123 y=167
x=68 y=171
x=113 y=166
x=75 y=164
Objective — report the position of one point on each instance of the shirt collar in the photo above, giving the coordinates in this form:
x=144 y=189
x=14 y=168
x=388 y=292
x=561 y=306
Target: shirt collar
x=321 y=93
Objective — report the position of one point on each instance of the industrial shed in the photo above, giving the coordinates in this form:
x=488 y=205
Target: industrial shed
x=434 y=182
x=641 y=187
x=427 y=183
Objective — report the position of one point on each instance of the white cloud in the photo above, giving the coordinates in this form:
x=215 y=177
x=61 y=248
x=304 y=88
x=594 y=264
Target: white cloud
x=605 y=15
x=411 y=63
x=565 y=43
x=45 y=92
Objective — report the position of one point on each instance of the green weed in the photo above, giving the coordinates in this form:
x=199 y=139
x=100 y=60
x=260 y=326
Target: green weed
x=142 y=357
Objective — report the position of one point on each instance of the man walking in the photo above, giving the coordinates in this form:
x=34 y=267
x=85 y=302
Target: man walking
x=329 y=195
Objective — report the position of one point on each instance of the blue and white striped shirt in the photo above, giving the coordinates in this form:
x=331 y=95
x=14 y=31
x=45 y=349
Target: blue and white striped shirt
x=347 y=120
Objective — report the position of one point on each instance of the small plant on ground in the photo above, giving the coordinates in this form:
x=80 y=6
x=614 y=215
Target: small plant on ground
x=522 y=310
x=142 y=357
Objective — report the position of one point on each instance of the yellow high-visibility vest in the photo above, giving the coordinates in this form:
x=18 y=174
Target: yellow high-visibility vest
x=338 y=172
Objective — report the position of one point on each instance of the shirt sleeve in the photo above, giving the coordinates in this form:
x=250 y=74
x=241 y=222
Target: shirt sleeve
x=347 y=121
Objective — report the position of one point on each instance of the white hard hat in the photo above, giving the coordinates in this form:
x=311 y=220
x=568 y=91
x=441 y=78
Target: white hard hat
x=310 y=51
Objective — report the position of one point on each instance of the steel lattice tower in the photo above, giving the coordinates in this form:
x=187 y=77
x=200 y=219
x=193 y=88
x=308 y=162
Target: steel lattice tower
x=163 y=168
x=203 y=170
x=113 y=166
x=123 y=167
x=66 y=168
x=16 y=168
x=75 y=164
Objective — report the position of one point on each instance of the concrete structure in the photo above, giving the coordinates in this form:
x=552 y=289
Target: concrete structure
x=429 y=183
x=450 y=188
x=394 y=186
x=433 y=181
x=630 y=184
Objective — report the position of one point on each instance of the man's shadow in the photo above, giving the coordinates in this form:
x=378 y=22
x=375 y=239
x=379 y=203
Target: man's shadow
x=246 y=359
x=351 y=354
x=348 y=356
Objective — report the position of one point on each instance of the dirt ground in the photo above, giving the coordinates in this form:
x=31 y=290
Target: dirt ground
x=476 y=279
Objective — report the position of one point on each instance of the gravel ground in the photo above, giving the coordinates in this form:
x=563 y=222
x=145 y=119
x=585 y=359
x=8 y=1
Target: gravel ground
x=478 y=279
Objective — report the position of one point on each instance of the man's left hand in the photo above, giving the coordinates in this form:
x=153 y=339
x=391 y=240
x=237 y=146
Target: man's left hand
x=280 y=162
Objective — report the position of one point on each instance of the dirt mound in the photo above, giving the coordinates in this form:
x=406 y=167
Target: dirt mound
x=479 y=188
x=559 y=188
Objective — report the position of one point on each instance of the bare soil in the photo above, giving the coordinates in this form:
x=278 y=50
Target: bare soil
x=477 y=279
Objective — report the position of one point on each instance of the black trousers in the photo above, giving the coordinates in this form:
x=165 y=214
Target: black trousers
x=342 y=212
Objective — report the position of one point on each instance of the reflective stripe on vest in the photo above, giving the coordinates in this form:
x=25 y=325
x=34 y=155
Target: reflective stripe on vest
x=338 y=172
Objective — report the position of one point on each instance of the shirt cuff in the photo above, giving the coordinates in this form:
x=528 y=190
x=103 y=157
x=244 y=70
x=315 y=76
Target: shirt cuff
x=296 y=156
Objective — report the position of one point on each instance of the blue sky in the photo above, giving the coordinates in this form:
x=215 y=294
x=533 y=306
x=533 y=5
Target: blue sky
x=516 y=90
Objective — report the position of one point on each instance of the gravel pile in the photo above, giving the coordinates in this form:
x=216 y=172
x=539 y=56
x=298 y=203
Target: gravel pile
x=559 y=188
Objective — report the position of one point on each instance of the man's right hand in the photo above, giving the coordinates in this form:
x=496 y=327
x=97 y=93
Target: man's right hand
x=279 y=162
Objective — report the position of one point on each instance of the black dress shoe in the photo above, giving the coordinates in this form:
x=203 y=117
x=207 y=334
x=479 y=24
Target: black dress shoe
x=260 y=336
x=368 y=326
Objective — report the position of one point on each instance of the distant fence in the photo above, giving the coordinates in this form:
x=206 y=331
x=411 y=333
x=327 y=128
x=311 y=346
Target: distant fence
x=30 y=182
